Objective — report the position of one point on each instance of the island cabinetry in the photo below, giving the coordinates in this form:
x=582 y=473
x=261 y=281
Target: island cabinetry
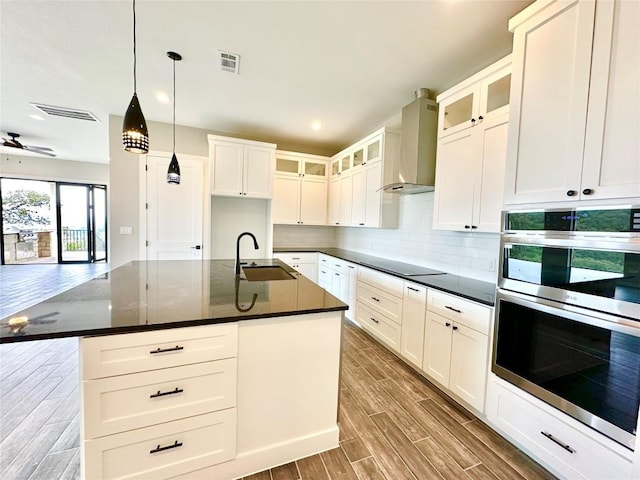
x=304 y=262
x=574 y=118
x=379 y=306
x=357 y=175
x=300 y=189
x=456 y=346
x=414 y=305
x=241 y=167
x=163 y=400
x=475 y=100
x=470 y=162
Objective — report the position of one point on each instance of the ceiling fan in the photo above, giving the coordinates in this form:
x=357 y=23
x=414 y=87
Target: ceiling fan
x=14 y=143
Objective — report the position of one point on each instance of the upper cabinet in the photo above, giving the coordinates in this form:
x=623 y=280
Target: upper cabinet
x=241 y=167
x=357 y=175
x=477 y=99
x=470 y=162
x=574 y=117
x=300 y=189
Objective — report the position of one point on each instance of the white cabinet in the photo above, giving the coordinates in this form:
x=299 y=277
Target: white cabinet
x=304 y=262
x=470 y=161
x=355 y=199
x=334 y=275
x=241 y=167
x=570 y=449
x=456 y=346
x=414 y=304
x=164 y=400
x=300 y=189
x=574 y=119
x=477 y=99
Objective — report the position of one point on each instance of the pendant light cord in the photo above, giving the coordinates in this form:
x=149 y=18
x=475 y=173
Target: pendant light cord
x=174 y=105
x=134 y=47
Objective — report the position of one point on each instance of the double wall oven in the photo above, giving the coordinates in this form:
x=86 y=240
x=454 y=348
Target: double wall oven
x=568 y=313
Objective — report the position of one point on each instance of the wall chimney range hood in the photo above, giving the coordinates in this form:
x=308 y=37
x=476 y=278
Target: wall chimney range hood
x=416 y=167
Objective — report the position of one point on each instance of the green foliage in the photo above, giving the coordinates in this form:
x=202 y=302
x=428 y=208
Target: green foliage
x=589 y=259
x=24 y=207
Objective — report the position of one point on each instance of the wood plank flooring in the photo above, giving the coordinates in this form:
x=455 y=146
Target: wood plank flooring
x=394 y=425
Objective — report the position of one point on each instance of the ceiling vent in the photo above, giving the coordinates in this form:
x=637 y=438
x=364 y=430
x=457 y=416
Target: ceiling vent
x=229 y=62
x=66 y=112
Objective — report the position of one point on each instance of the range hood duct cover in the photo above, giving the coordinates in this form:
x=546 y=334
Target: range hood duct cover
x=417 y=164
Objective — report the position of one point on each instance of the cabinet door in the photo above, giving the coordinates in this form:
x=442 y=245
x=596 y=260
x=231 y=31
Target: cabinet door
x=494 y=94
x=456 y=176
x=413 y=320
x=469 y=363
x=309 y=270
x=459 y=111
x=373 y=174
x=358 y=196
x=437 y=348
x=373 y=150
x=352 y=281
x=346 y=186
x=226 y=169
x=548 y=111
x=313 y=201
x=285 y=206
x=333 y=216
x=612 y=149
x=258 y=172
x=487 y=202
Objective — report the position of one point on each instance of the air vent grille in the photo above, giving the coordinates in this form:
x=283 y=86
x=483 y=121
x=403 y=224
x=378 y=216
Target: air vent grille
x=66 y=112
x=229 y=62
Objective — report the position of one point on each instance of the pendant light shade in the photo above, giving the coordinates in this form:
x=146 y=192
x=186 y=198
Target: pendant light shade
x=173 y=174
x=135 y=136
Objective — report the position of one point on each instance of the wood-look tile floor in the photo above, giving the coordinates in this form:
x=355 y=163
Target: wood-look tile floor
x=394 y=425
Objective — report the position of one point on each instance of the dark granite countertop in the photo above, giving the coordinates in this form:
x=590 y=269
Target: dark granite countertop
x=477 y=290
x=154 y=295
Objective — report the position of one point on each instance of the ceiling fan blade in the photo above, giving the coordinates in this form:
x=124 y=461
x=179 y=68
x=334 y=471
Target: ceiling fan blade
x=36 y=147
x=40 y=150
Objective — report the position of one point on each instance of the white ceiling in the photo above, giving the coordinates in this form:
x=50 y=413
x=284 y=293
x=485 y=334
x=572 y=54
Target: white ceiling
x=350 y=65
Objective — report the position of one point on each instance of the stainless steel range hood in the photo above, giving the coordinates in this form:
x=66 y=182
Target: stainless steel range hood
x=416 y=168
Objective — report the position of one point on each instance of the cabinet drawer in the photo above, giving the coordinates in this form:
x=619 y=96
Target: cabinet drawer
x=459 y=310
x=333 y=263
x=531 y=426
x=127 y=402
x=325 y=277
x=379 y=326
x=112 y=355
x=297 y=257
x=380 y=302
x=389 y=284
x=165 y=450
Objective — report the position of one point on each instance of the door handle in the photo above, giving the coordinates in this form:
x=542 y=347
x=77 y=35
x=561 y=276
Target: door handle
x=197 y=247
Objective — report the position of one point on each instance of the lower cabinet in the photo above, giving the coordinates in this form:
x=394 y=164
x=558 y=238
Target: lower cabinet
x=569 y=448
x=165 y=401
x=456 y=346
x=304 y=262
x=413 y=323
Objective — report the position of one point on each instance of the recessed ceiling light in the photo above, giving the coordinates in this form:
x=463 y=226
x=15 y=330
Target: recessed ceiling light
x=316 y=125
x=36 y=117
x=162 y=97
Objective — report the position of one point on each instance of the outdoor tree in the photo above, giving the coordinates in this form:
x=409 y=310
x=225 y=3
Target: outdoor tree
x=25 y=207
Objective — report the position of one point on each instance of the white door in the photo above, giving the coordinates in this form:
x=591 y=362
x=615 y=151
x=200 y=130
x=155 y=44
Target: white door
x=346 y=186
x=333 y=217
x=437 y=348
x=373 y=174
x=226 y=171
x=358 y=196
x=257 y=176
x=313 y=201
x=174 y=212
x=285 y=206
x=413 y=312
x=469 y=365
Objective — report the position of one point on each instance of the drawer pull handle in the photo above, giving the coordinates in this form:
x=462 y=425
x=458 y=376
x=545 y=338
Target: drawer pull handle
x=374 y=320
x=163 y=394
x=295 y=258
x=555 y=440
x=337 y=274
x=351 y=266
x=376 y=299
x=168 y=447
x=453 y=309
x=165 y=350
x=414 y=289
x=322 y=271
x=338 y=265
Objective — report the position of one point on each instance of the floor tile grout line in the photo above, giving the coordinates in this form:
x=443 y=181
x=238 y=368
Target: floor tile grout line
x=474 y=466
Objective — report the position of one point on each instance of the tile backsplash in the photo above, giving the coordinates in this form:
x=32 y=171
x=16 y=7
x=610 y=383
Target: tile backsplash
x=468 y=254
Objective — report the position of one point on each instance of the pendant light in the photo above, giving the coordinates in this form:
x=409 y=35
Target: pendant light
x=135 y=136
x=173 y=174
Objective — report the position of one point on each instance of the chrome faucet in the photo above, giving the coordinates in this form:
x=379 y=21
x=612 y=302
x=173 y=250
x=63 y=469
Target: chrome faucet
x=255 y=245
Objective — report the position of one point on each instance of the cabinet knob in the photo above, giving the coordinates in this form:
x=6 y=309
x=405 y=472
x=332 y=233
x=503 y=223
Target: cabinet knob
x=474 y=227
x=473 y=120
x=480 y=117
x=467 y=226
x=447 y=324
x=454 y=327
x=244 y=193
x=571 y=193
x=587 y=191
x=361 y=224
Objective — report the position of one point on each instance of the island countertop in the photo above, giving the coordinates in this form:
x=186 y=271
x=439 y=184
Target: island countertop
x=152 y=295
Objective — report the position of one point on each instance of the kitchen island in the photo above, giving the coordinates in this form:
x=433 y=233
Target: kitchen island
x=189 y=372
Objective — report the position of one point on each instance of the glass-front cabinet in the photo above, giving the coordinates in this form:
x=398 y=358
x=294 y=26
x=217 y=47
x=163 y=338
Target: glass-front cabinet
x=373 y=150
x=482 y=96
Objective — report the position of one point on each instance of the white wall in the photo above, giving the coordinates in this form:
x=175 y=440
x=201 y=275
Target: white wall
x=469 y=254
x=45 y=168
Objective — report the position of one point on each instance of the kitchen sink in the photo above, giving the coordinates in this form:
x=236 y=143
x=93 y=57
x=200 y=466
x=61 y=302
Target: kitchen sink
x=266 y=273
